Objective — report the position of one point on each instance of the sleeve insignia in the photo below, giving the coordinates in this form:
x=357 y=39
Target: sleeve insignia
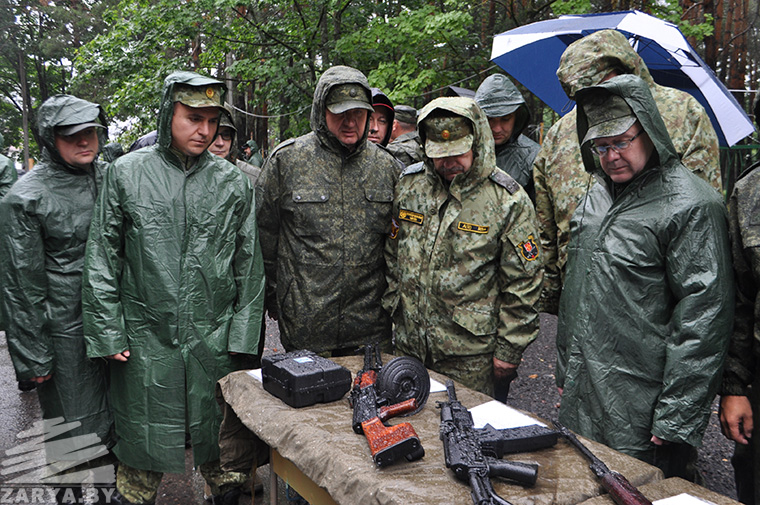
x=412 y=217
x=394 y=229
x=473 y=228
x=529 y=249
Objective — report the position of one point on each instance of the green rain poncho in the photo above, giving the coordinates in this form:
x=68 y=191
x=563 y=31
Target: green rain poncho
x=44 y=222
x=174 y=275
x=647 y=308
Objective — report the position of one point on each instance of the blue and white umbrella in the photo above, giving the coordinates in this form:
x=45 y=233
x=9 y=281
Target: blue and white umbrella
x=531 y=54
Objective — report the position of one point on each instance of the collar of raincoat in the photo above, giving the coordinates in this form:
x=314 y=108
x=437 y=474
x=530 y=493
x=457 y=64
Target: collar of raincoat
x=484 y=156
x=64 y=110
x=587 y=61
x=334 y=76
x=637 y=94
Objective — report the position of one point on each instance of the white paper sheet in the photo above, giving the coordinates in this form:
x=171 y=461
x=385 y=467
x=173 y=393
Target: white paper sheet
x=683 y=499
x=500 y=416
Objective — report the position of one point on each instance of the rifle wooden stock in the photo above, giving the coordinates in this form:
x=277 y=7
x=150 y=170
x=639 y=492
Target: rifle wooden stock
x=623 y=492
x=398 y=409
x=389 y=443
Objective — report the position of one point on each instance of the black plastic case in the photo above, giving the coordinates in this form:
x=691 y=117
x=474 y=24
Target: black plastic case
x=301 y=378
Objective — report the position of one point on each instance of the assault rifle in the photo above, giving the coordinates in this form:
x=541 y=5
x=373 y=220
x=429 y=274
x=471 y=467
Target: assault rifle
x=621 y=491
x=472 y=453
x=380 y=393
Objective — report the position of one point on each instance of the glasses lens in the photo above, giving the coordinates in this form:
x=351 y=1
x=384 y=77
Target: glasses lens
x=226 y=135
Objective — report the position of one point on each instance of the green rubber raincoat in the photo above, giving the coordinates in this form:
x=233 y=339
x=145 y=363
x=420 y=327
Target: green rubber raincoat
x=44 y=222
x=174 y=275
x=646 y=313
x=8 y=177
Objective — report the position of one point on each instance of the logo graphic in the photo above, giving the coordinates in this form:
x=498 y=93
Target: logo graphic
x=44 y=459
x=529 y=249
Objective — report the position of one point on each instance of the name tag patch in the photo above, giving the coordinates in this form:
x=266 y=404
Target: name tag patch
x=411 y=216
x=472 y=228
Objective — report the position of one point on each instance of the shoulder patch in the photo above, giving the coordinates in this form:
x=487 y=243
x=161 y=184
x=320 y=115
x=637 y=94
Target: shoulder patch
x=413 y=169
x=505 y=180
x=282 y=145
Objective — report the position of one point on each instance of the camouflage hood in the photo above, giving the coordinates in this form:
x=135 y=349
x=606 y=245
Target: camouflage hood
x=498 y=96
x=334 y=76
x=484 y=159
x=638 y=96
x=66 y=110
x=166 y=109
x=587 y=61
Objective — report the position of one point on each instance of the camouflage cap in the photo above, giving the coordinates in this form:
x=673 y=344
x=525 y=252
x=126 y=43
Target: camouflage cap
x=406 y=114
x=344 y=97
x=199 y=96
x=608 y=116
x=447 y=136
x=226 y=119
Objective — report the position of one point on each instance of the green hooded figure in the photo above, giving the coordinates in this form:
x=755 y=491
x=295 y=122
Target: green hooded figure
x=558 y=174
x=174 y=282
x=508 y=117
x=44 y=224
x=647 y=309
x=8 y=174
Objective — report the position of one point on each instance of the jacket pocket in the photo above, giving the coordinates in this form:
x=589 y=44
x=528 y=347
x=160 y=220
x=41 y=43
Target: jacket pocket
x=477 y=322
x=379 y=209
x=311 y=211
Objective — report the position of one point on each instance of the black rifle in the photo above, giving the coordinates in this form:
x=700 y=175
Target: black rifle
x=472 y=453
x=621 y=491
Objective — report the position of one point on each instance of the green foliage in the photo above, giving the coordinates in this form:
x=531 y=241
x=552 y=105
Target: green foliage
x=563 y=7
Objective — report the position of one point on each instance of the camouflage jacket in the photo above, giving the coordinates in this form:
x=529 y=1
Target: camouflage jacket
x=559 y=176
x=465 y=271
x=407 y=148
x=744 y=229
x=324 y=212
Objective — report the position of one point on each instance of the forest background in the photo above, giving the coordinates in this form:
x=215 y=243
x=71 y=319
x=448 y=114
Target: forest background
x=272 y=52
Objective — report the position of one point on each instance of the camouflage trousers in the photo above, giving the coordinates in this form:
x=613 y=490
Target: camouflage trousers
x=475 y=372
x=141 y=486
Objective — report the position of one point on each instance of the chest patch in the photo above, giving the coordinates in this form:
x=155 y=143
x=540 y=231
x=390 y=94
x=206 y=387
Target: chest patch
x=472 y=228
x=528 y=249
x=412 y=217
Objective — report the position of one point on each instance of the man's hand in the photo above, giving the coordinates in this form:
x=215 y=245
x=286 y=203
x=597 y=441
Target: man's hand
x=736 y=418
x=122 y=356
x=658 y=441
x=503 y=370
x=40 y=380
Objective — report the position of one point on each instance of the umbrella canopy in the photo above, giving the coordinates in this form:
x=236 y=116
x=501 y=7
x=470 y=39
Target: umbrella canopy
x=666 y=52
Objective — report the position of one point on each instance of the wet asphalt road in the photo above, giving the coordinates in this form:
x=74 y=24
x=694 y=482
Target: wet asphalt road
x=533 y=391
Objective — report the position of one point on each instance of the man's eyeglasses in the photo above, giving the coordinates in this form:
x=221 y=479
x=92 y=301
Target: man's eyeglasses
x=620 y=145
x=226 y=135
